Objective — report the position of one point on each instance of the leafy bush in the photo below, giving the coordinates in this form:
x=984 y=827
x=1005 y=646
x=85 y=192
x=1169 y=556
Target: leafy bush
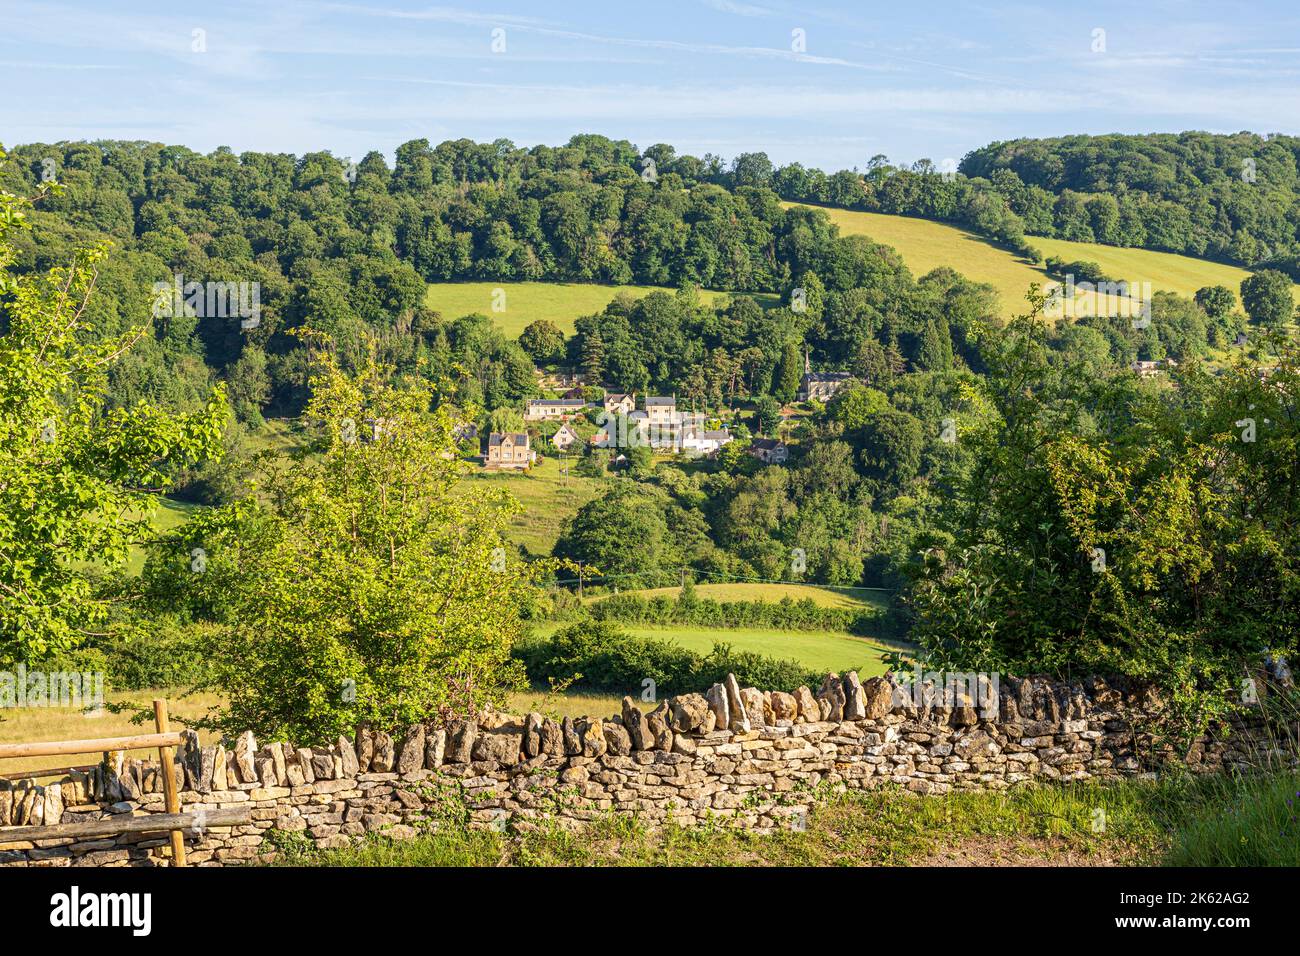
x=166 y=654
x=365 y=586
x=1161 y=544
x=612 y=661
x=1081 y=270
x=786 y=614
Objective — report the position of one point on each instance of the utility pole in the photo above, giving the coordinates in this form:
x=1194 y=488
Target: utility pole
x=683 y=578
x=579 y=580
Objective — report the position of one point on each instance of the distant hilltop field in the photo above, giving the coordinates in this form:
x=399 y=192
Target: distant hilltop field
x=925 y=245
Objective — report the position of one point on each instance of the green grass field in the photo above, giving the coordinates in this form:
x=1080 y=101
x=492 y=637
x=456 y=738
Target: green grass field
x=1166 y=271
x=525 y=302
x=548 y=496
x=168 y=515
x=817 y=650
x=927 y=245
x=820 y=651
x=844 y=598
x=569 y=704
x=276 y=434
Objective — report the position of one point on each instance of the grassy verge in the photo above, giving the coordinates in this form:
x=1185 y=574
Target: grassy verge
x=1247 y=822
x=1175 y=822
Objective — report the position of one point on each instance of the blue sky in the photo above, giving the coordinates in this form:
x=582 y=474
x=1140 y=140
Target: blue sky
x=909 y=80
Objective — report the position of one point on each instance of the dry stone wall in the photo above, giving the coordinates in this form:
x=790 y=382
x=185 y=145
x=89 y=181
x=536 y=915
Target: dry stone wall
x=734 y=756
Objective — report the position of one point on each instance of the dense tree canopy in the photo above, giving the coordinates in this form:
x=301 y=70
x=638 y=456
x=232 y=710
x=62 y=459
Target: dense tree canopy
x=363 y=584
x=1234 y=197
x=1005 y=454
x=75 y=472
x=1102 y=527
x=1266 y=297
x=1230 y=197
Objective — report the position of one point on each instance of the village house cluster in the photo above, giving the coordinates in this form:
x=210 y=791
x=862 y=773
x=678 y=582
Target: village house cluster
x=658 y=424
x=1150 y=369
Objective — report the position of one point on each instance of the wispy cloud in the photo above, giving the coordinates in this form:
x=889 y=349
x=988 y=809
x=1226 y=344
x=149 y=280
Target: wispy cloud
x=558 y=32
x=31 y=65
x=906 y=80
x=739 y=9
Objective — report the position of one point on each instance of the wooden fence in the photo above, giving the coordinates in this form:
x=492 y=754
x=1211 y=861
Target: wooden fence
x=166 y=740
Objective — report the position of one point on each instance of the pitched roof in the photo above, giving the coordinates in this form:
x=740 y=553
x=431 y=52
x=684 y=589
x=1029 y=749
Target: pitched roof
x=826 y=376
x=518 y=438
x=703 y=434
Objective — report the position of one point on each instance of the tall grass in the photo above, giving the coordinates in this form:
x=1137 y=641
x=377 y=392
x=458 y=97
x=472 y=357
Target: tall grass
x=1239 y=821
x=1179 y=821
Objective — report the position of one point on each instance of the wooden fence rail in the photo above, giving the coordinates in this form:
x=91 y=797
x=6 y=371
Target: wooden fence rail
x=175 y=821
x=102 y=745
x=47 y=772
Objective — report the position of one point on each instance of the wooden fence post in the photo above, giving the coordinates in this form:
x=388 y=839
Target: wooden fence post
x=169 y=781
x=112 y=749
